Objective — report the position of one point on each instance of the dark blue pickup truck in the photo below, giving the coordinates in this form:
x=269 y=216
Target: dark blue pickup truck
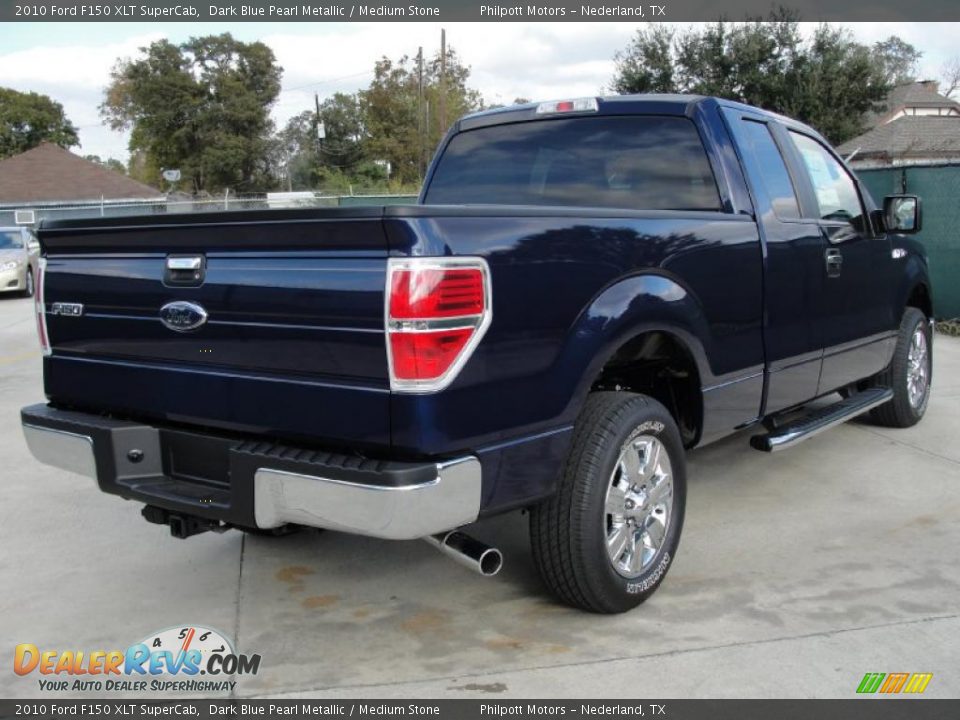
x=587 y=289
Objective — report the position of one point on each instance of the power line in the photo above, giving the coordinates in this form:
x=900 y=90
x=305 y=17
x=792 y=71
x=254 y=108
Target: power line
x=327 y=81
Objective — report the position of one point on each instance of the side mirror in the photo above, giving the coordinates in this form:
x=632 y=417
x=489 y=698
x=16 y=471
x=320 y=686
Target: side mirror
x=902 y=214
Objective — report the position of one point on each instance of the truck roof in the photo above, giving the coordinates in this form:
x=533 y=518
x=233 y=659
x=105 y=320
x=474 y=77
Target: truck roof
x=640 y=104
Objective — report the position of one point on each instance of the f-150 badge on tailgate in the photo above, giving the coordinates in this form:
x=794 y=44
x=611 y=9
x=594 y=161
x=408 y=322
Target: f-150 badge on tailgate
x=182 y=316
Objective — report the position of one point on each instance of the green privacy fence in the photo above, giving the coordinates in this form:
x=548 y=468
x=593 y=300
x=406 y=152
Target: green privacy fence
x=939 y=189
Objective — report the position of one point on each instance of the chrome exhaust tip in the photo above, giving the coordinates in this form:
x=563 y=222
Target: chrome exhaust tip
x=469 y=552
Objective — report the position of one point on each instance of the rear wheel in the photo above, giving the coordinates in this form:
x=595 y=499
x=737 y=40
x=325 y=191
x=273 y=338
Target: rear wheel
x=605 y=540
x=908 y=374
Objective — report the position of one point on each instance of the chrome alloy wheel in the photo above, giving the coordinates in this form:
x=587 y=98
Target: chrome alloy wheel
x=638 y=505
x=918 y=367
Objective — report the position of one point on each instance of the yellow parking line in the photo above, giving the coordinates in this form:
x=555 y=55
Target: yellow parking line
x=13 y=359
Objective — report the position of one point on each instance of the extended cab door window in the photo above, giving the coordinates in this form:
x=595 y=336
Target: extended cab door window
x=767 y=162
x=835 y=192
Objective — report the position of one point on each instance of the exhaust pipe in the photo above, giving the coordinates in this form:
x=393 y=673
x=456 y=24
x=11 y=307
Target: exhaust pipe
x=468 y=551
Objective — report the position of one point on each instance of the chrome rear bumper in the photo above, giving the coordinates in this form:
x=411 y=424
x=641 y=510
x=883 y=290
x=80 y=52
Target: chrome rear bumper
x=61 y=449
x=450 y=500
x=251 y=484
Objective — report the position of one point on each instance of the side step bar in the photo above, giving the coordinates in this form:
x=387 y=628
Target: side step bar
x=817 y=421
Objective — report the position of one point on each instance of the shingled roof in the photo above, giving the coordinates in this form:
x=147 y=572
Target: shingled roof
x=923 y=94
x=50 y=174
x=915 y=136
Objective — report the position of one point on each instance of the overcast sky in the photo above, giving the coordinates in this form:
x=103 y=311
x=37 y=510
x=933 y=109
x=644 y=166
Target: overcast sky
x=71 y=62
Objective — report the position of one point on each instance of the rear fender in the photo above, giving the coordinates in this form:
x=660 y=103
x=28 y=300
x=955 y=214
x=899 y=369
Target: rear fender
x=622 y=311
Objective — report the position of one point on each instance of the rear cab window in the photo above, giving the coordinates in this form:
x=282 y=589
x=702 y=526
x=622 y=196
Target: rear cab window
x=634 y=163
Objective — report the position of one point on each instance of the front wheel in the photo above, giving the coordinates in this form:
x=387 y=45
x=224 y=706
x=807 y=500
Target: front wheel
x=605 y=540
x=28 y=288
x=909 y=373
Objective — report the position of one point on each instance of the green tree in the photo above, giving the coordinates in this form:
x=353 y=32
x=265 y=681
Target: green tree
x=342 y=146
x=109 y=163
x=202 y=106
x=295 y=149
x=829 y=80
x=837 y=81
x=380 y=138
x=899 y=60
x=305 y=159
x=29 y=119
x=647 y=64
x=403 y=125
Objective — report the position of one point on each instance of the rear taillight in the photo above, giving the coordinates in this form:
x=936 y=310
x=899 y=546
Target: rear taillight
x=40 y=306
x=437 y=310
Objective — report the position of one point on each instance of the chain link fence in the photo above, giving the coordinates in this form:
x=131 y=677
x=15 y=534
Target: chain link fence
x=939 y=189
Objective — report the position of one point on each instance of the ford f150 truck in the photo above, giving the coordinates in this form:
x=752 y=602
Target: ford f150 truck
x=586 y=289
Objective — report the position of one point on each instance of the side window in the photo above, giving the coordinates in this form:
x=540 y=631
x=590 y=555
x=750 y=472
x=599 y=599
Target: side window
x=769 y=164
x=835 y=190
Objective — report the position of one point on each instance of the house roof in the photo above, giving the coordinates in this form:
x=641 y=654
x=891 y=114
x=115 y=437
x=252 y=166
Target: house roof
x=923 y=94
x=48 y=173
x=909 y=136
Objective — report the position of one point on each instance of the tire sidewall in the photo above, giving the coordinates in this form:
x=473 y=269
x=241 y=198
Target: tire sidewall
x=914 y=320
x=614 y=591
x=29 y=285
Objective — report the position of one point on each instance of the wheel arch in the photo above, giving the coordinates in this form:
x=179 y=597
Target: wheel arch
x=914 y=288
x=920 y=298
x=639 y=330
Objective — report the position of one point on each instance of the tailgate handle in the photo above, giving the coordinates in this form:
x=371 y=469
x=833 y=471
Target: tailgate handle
x=184 y=270
x=184 y=263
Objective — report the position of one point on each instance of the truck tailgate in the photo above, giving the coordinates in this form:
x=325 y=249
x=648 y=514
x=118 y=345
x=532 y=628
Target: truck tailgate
x=292 y=345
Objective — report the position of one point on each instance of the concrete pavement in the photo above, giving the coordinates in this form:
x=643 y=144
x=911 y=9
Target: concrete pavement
x=798 y=572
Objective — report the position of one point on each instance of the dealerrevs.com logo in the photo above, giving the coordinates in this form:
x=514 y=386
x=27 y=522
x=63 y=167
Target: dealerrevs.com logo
x=189 y=658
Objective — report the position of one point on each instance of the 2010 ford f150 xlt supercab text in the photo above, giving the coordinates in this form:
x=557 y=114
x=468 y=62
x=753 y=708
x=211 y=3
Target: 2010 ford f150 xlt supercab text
x=587 y=289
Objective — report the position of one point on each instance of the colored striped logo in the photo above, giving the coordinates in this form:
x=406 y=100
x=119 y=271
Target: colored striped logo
x=891 y=683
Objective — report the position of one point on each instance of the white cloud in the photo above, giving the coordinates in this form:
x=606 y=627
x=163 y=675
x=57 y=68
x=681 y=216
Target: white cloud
x=75 y=76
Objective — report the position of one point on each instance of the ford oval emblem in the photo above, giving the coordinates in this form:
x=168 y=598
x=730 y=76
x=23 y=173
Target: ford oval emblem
x=182 y=316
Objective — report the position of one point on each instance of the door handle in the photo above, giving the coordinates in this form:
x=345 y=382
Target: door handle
x=834 y=261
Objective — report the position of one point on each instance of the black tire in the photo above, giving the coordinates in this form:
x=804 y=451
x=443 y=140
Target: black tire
x=29 y=289
x=900 y=412
x=568 y=531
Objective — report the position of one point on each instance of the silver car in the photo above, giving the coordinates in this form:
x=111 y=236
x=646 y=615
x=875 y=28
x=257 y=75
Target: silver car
x=19 y=257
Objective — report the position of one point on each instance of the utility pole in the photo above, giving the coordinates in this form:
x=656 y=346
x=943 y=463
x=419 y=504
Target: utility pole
x=316 y=120
x=420 y=142
x=443 y=80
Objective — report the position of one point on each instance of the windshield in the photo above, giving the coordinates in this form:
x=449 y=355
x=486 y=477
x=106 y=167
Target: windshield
x=635 y=163
x=10 y=239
